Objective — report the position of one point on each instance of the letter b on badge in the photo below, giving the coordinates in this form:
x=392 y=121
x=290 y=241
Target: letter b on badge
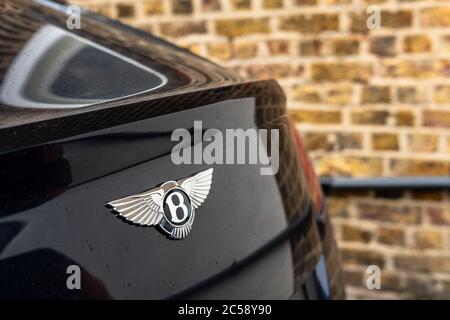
x=177 y=207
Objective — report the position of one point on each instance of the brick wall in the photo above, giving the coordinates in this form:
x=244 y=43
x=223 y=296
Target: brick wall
x=367 y=102
x=406 y=234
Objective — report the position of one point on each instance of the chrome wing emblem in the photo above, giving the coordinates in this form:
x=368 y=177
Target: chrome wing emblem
x=171 y=206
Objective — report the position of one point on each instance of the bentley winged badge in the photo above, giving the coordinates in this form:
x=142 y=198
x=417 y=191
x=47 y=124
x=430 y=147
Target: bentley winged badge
x=171 y=206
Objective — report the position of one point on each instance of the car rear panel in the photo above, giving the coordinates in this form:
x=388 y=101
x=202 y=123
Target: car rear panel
x=255 y=236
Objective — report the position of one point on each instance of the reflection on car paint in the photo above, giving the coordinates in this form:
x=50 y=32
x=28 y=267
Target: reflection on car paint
x=58 y=69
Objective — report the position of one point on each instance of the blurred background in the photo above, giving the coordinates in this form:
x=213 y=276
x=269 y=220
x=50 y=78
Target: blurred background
x=368 y=102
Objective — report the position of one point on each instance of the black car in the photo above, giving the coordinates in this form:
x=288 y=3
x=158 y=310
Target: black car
x=87 y=120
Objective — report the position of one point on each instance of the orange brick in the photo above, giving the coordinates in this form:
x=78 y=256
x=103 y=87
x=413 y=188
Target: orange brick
x=408 y=95
x=349 y=166
x=422 y=263
x=435 y=17
x=305 y=2
x=240 y=27
x=363 y=257
x=391 y=236
x=376 y=94
x=369 y=117
x=439 y=216
x=278 y=47
x=153 y=7
x=241 y=4
x=104 y=9
x=404 y=118
x=219 y=50
x=383 y=45
x=182 y=7
x=414 y=167
x=384 y=141
x=389 y=212
x=358 y=23
x=348 y=140
x=306 y=93
x=125 y=10
x=442 y=94
x=316 y=141
x=341 y=71
x=417 y=69
x=273 y=4
x=428 y=239
x=274 y=71
x=396 y=19
x=436 y=118
x=245 y=50
x=355 y=234
x=418 y=43
x=310 y=23
x=310 y=48
x=339 y=95
x=423 y=142
x=211 y=5
x=345 y=47
x=179 y=29
x=313 y=116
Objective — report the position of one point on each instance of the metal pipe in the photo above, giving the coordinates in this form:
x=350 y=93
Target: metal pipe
x=406 y=183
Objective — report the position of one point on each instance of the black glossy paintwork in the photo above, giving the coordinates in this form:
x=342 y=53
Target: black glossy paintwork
x=228 y=227
x=59 y=166
x=24 y=20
